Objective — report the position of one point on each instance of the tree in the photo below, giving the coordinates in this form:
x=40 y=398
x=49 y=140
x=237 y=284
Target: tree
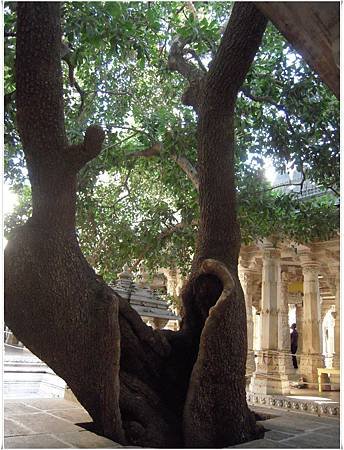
x=140 y=386
x=153 y=391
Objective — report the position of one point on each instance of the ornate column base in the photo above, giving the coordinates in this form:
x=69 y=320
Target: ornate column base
x=336 y=361
x=285 y=364
x=309 y=364
x=268 y=379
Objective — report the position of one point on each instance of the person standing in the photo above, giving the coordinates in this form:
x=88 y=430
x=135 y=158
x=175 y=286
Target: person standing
x=293 y=343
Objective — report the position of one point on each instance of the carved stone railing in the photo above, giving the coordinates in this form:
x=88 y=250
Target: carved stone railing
x=331 y=409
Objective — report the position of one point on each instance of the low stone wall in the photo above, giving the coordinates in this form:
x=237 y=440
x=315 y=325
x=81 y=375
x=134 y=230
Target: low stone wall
x=293 y=404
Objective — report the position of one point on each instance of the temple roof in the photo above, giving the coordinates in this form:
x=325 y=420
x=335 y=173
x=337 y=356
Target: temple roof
x=141 y=297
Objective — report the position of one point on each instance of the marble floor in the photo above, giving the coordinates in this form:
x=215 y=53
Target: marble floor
x=49 y=423
x=53 y=423
x=285 y=429
x=33 y=419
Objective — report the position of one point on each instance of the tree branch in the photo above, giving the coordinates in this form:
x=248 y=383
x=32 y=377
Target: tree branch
x=190 y=6
x=267 y=99
x=125 y=183
x=176 y=62
x=182 y=161
x=124 y=127
x=73 y=82
x=192 y=52
x=276 y=187
x=168 y=231
x=188 y=168
x=78 y=155
x=226 y=74
x=303 y=178
x=162 y=48
x=334 y=191
x=149 y=152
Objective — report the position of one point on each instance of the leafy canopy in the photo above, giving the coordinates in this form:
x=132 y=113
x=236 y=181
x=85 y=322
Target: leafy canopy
x=139 y=207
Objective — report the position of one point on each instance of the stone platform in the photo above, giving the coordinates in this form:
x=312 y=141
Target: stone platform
x=26 y=376
x=53 y=423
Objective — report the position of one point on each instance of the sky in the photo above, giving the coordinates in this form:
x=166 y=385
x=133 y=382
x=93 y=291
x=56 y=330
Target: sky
x=9 y=199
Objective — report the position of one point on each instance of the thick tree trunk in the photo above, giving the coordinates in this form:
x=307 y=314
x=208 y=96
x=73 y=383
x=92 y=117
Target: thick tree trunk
x=54 y=302
x=134 y=382
x=53 y=299
x=218 y=415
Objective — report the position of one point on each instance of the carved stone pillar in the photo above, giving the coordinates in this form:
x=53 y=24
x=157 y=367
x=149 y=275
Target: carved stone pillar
x=285 y=361
x=299 y=326
x=267 y=379
x=335 y=379
x=245 y=276
x=270 y=290
x=326 y=338
x=311 y=357
x=256 y=330
x=174 y=284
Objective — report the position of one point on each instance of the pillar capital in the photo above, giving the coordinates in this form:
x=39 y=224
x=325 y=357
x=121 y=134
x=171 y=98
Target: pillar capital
x=272 y=241
x=311 y=269
x=270 y=252
x=307 y=261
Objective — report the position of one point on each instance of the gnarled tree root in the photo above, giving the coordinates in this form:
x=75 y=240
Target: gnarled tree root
x=92 y=338
x=131 y=379
x=62 y=312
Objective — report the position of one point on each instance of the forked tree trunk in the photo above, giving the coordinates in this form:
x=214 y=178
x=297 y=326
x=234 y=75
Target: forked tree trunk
x=134 y=382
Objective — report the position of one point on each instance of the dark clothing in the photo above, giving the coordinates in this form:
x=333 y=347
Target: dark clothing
x=293 y=338
x=293 y=346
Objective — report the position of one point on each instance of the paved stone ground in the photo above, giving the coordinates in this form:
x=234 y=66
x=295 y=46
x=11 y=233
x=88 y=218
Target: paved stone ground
x=51 y=423
x=296 y=430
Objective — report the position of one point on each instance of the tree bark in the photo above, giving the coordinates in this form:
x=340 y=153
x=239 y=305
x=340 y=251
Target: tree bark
x=135 y=382
x=210 y=418
x=54 y=302
x=53 y=299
